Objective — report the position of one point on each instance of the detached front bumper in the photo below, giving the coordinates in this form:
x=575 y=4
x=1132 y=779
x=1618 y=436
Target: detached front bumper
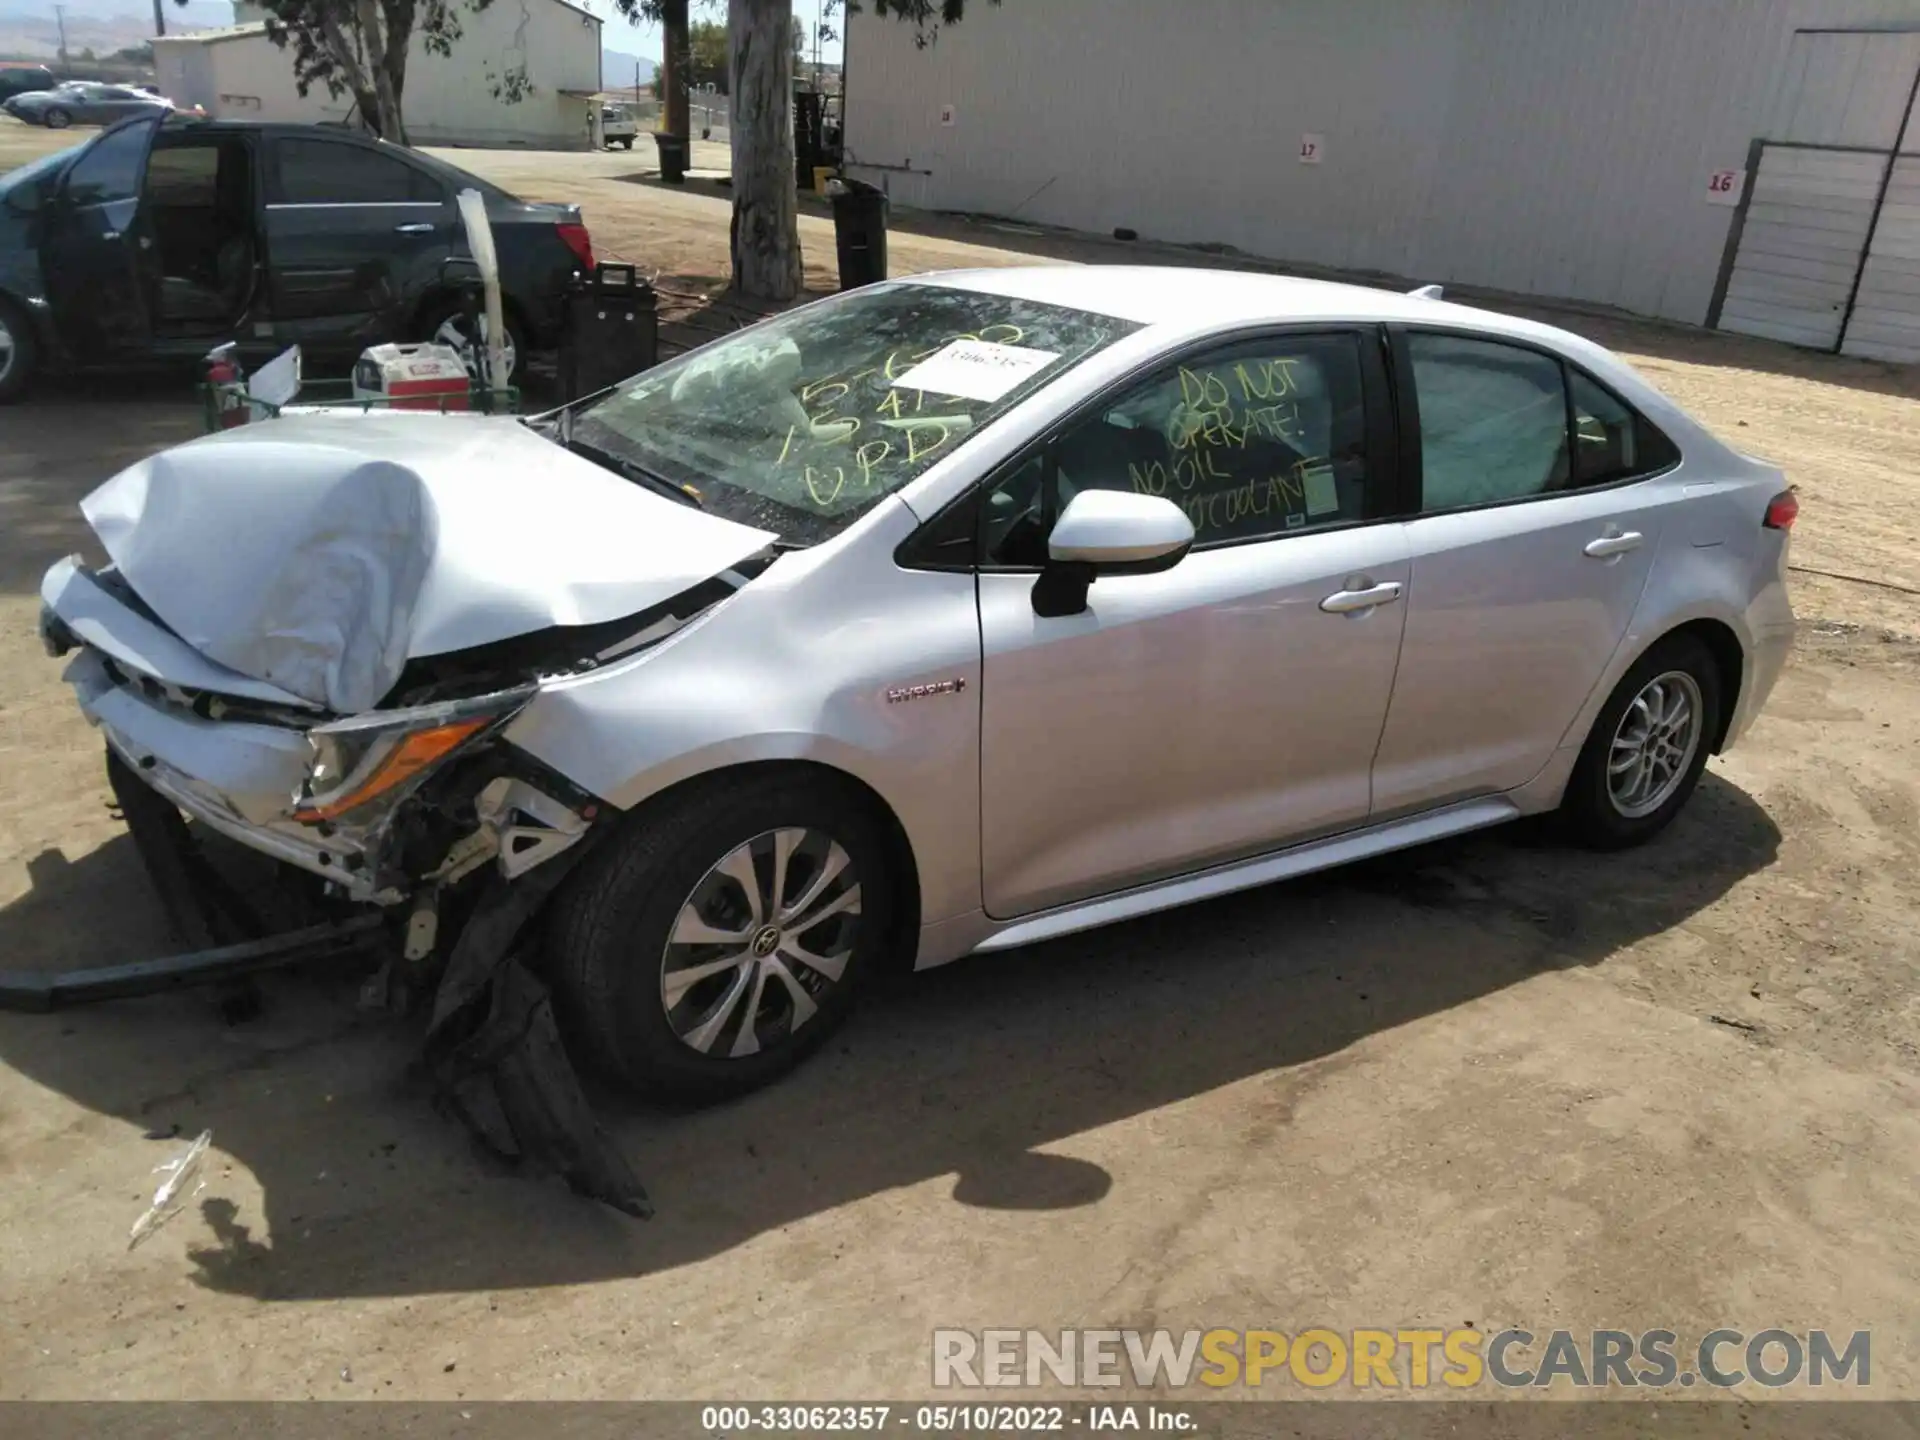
x=492 y=1044
x=237 y=779
x=138 y=684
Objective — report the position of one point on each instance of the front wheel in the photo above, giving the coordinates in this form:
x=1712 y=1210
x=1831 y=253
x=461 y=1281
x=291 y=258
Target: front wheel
x=723 y=937
x=57 y=119
x=1647 y=748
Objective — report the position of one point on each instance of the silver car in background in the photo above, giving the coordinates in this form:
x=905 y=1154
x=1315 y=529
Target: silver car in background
x=944 y=615
x=84 y=102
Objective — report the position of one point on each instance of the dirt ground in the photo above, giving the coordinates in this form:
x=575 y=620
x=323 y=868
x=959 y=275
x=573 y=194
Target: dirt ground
x=1491 y=1082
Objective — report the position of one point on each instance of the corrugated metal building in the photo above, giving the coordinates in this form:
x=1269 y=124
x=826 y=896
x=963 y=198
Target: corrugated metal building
x=1607 y=151
x=455 y=99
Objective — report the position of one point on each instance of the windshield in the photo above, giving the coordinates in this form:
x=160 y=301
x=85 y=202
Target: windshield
x=806 y=421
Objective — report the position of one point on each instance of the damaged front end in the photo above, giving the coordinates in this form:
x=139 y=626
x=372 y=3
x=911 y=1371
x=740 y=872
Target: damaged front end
x=309 y=643
x=427 y=838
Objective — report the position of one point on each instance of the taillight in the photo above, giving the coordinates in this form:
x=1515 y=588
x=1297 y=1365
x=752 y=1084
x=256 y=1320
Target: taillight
x=578 y=241
x=1782 y=511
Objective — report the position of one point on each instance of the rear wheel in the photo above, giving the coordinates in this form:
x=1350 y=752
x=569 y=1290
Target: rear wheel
x=447 y=325
x=1647 y=748
x=17 y=352
x=626 y=142
x=722 y=938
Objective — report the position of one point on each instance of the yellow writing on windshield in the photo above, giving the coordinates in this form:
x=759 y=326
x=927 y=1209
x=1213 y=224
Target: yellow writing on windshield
x=843 y=415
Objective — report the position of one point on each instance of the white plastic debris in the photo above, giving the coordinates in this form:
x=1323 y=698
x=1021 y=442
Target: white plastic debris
x=182 y=1171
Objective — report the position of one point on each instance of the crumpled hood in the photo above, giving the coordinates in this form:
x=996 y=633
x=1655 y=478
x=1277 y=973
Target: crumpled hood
x=321 y=553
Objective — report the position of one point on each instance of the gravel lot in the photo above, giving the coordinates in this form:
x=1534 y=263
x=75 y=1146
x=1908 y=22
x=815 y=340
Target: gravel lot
x=1490 y=1082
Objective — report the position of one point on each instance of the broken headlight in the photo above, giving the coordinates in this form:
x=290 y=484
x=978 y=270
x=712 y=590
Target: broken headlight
x=381 y=756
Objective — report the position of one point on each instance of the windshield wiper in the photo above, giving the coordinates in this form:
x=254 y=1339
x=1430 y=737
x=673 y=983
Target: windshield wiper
x=622 y=466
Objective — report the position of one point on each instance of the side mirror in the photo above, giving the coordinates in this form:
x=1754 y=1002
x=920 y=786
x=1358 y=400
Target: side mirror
x=1108 y=532
x=24 y=199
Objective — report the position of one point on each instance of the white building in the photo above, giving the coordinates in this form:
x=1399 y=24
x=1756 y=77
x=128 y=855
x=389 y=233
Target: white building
x=1729 y=162
x=454 y=99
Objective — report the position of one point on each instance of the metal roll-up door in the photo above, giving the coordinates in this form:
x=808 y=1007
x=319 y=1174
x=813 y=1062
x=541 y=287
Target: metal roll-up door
x=1886 y=312
x=1806 y=225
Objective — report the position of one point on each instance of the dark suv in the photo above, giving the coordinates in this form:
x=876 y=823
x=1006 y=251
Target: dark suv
x=23 y=80
x=157 y=240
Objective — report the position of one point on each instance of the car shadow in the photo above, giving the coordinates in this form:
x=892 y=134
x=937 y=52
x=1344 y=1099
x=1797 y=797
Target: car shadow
x=967 y=1077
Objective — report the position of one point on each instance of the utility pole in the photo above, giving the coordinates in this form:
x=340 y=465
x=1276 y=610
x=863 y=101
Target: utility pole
x=60 y=16
x=159 y=17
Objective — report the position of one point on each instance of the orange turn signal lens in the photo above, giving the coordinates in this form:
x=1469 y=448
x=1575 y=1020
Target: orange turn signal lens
x=407 y=759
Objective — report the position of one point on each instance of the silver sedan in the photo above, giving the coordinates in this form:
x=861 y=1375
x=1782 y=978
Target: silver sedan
x=84 y=103
x=941 y=616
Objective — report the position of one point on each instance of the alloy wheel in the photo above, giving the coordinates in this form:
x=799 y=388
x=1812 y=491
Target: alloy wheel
x=1654 y=744
x=760 y=942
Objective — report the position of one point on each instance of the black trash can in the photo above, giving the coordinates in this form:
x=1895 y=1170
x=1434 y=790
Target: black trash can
x=860 y=231
x=612 y=330
x=676 y=156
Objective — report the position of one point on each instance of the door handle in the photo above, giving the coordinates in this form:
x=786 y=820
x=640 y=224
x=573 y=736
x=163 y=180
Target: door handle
x=417 y=227
x=1346 y=602
x=1608 y=546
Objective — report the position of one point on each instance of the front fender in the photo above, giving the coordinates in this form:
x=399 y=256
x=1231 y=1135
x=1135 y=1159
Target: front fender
x=799 y=665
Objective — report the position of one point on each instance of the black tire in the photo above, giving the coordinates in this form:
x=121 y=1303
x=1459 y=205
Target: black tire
x=452 y=309
x=608 y=928
x=56 y=119
x=626 y=142
x=17 y=362
x=1589 y=812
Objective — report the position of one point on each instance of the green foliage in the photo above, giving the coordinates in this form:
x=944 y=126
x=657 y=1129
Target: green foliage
x=708 y=48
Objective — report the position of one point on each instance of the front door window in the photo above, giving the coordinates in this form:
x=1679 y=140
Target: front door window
x=1255 y=441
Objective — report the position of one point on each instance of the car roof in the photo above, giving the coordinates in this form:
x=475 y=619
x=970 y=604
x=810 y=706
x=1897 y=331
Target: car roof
x=1176 y=303
x=1194 y=298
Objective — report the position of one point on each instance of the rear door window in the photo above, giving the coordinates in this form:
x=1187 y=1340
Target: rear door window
x=334 y=172
x=1493 y=421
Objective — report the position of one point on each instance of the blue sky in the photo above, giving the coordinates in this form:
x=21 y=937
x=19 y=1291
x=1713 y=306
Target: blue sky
x=618 y=35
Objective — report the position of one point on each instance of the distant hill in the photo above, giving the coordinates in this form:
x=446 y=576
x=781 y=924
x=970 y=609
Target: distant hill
x=29 y=31
x=616 y=66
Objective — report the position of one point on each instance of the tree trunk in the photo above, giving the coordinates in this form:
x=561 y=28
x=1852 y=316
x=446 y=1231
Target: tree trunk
x=386 y=96
x=766 y=230
x=675 y=68
x=346 y=55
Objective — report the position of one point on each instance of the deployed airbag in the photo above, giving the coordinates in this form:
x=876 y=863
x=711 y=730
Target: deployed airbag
x=320 y=553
